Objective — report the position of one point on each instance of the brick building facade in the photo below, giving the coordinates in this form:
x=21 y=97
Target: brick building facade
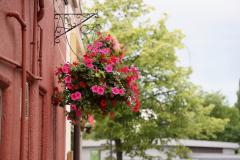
x=31 y=128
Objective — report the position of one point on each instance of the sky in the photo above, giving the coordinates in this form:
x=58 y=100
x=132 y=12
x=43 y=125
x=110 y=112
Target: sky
x=212 y=29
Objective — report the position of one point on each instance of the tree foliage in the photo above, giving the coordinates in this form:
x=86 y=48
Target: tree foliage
x=223 y=110
x=171 y=106
x=237 y=104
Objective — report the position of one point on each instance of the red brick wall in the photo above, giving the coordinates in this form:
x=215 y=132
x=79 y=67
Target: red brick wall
x=45 y=124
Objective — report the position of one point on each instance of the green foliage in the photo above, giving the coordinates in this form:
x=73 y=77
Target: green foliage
x=171 y=106
x=237 y=104
x=223 y=111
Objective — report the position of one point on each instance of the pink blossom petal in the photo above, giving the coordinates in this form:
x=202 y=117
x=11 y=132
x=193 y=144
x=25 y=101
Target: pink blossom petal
x=109 y=68
x=73 y=107
x=121 y=91
x=91 y=120
x=94 y=89
x=66 y=68
x=100 y=90
x=69 y=86
x=76 y=96
x=89 y=47
x=78 y=113
x=105 y=50
x=67 y=79
x=90 y=65
x=115 y=90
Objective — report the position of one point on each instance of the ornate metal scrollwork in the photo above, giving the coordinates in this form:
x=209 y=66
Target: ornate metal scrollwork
x=65 y=22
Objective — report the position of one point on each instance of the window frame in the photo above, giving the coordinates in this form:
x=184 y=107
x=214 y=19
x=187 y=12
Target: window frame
x=1 y=108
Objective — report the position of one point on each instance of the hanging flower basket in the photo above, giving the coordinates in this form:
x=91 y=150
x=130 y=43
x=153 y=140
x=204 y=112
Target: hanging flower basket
x=98 y=82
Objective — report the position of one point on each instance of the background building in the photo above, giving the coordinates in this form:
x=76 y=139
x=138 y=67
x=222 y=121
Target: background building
x=200 y=150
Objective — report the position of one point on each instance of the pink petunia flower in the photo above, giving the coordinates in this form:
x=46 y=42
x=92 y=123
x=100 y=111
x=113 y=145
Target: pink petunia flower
x=69 y=86
x=90 y=65
x=121 y=91
x=58 y=71
x=66 y=68
x=133 y=69
x=67 y=79
x=104 y=50
x=109 y=68
x=87 y=60
x=89 y=47
x=76 y=96
x=94 y=89
x=100 y=90
x=115 y=90
x=73 y=107
x=78 y=113
x=108 y=38
x=98 y=44
x=91 y=120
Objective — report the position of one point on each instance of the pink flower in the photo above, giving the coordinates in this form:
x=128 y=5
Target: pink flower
x=91 y=119
x=108 y=38
x=100 y=90
x=134 y=69
x=69 y=117
x=78 y=113
x=109 y=68
x=115 y=90
x=90 y=65
x=73 y=107
x=113 y=60
x=95 y=50
x=89 y=47
x=133 y=78
x=124 y=69
x=121 y=91
x=67 y=79
x=66 y=68
x=87 y=60
x=76 y=96
x=98 y=44
x=69 y=86
x=58 y=71
x=104 y=50
x=94 y=89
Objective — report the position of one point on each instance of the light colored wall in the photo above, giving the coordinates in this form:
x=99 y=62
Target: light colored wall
x=227 y=154
x=228 y=151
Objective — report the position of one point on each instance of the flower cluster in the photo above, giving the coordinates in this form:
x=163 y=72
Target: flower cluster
x=98 y=82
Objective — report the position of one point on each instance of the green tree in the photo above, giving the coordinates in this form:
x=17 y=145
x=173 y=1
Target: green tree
x=223 y=110
x=171 y=107
x=237 y=104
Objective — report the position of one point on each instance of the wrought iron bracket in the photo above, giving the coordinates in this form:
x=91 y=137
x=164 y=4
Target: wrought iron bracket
x=65 y=22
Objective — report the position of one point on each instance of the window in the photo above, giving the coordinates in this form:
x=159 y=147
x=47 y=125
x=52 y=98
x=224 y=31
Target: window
x=41 y=123
x=26 y=101
x=54 y=121
x=1 y=106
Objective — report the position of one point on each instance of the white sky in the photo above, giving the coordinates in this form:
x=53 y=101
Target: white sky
x=212 y=29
